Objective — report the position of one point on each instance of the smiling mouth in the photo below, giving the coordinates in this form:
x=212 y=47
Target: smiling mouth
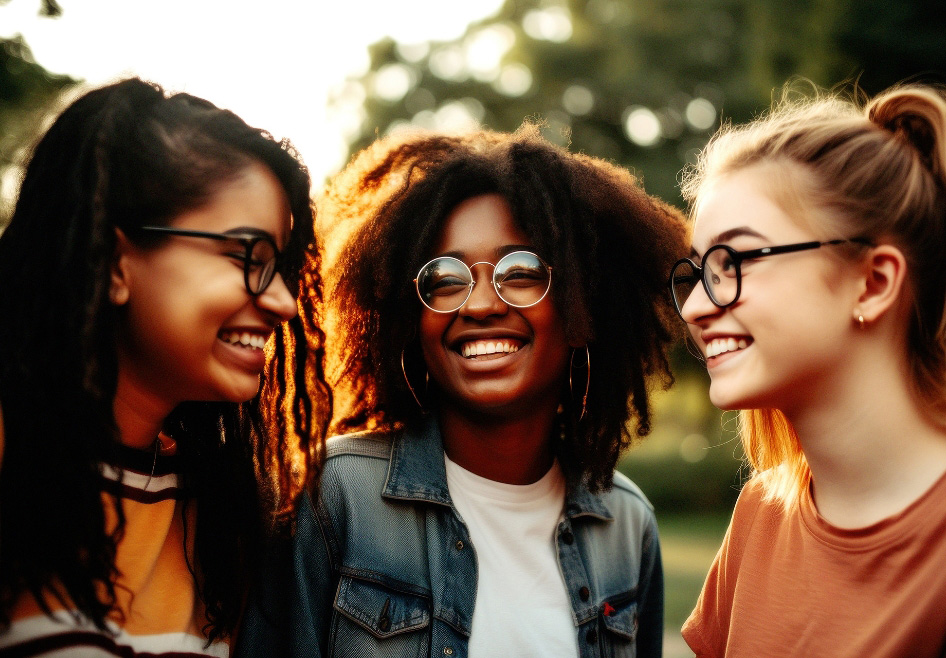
x=488 y=348
x=720 y=346
x=243 y=339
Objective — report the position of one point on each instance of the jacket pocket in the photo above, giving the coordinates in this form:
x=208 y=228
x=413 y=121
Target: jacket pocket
x=379 y=620
x=620 y=624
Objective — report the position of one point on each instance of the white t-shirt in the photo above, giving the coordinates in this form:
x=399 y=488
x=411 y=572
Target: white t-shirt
x=522 y=608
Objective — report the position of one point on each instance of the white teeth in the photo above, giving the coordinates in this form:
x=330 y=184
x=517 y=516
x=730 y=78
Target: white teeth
x=722 y=345
x=246 y=339
x=480 y=347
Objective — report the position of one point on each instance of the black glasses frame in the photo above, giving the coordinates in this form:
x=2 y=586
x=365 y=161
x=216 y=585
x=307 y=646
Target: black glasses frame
x=247 y=241
x=737 y=259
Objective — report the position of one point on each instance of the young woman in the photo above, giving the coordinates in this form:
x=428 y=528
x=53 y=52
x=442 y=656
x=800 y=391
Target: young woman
x=816 y=292
x=503 y=314
x=150 y=267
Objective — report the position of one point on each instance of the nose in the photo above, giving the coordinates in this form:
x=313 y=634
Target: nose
x=483 y=300
x=277 y=300
x=698 y=305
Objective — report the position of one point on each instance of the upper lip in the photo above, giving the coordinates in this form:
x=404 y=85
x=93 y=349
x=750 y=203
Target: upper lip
x=486 y=334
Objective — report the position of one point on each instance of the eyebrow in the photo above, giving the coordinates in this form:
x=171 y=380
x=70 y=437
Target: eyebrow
x=728 y=235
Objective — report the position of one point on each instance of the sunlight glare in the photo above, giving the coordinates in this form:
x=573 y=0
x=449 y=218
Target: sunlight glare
x=272 y=63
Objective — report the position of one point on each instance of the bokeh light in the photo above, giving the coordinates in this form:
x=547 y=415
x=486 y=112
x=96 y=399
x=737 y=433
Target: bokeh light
x=641 y=126
x=513 y=80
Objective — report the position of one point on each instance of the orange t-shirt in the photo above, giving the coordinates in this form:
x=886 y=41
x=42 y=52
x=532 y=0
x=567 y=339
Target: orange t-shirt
x=161 y=614
x=787 y=583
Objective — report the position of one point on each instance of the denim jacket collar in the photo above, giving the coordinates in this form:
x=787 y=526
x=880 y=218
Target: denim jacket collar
x=417 y=472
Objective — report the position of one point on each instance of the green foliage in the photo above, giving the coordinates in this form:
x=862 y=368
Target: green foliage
x=681 y=64
x=26 y=92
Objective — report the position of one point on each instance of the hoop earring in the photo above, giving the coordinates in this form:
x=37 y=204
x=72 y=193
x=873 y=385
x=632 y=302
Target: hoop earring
x=571 y=388
x=408 y=382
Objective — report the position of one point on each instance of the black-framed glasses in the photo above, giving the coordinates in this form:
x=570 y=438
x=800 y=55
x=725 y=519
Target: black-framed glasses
x=520 y=278
x=261 y=257
x=721 y=270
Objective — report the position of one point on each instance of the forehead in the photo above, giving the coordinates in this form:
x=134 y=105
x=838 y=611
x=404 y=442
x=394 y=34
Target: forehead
x=253 y=199
x=480 y=226
x=743 y=200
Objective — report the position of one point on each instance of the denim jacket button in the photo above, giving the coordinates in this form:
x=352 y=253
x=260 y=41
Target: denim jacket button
x=448 y=651
x=584 y=593
x=568 y=537
x=459 y=545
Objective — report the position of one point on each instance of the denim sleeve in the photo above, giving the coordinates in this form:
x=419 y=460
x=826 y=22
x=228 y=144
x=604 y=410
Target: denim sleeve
x=651 y=608
x=289 y=612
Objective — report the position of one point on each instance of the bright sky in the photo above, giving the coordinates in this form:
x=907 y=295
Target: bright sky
x=273 y=62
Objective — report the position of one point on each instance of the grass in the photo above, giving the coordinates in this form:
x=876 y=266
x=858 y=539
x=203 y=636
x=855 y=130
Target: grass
x=688 y=544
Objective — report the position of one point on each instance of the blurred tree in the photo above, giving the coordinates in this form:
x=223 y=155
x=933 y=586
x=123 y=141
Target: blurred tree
x=26 y=91
x=640 y=82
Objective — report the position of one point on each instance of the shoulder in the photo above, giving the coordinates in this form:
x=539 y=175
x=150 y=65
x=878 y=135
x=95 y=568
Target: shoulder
x=370 y=444
x=629 y=493
x=628 y=505
x=754 y=504
x=353 y=461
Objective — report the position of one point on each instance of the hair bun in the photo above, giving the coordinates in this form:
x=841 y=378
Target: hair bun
x=915 y=116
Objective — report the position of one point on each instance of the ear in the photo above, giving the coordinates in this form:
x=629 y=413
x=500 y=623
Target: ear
x=118 y=290
x=885 y=273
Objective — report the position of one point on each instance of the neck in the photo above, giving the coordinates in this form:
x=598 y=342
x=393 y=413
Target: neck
x=138 y=415
x=871 y=449
x=514 y=450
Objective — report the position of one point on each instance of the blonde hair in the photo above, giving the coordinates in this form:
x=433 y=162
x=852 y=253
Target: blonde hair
x=873 y=170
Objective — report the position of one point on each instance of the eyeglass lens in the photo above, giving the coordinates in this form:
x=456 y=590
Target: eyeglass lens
x=720 y=275
x=520 y=279
x=260 y=265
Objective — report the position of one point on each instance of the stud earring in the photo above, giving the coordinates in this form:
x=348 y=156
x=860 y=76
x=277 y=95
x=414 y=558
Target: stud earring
x=860 y=320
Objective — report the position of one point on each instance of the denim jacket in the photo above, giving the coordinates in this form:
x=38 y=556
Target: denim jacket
x=382 y=565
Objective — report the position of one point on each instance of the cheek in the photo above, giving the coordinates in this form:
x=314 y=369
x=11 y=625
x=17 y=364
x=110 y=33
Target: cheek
x=431 y=331
x=550 y=338
x=432 y=326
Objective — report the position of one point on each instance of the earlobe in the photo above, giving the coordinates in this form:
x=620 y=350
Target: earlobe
x=885 y=271
x=118 y=291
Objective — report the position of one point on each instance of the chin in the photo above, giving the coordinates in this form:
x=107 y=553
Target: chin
x=729 y=401
x=241 y=392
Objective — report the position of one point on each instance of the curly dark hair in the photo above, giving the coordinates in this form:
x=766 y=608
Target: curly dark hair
x=126 y=155
x=609 y=243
